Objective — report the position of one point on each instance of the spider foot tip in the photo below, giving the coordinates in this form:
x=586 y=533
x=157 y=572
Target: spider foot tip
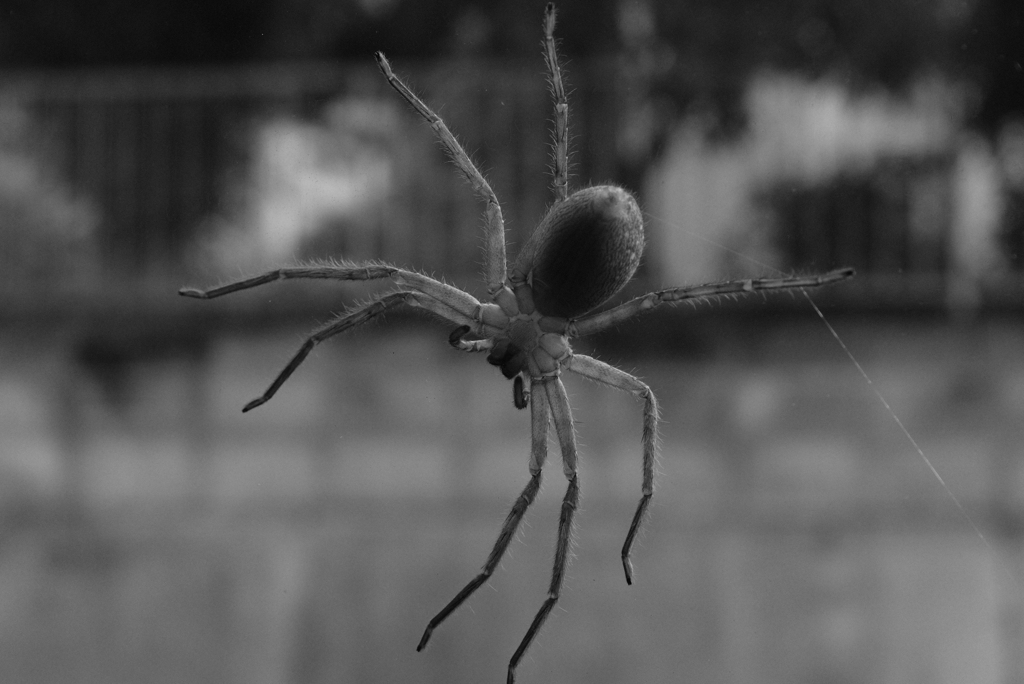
x=259 y=401
x=628 y=567
x=192 y=292
x=423 y=640
x=549 y=19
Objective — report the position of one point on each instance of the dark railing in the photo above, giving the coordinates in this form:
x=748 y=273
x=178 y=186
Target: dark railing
x=892 y=218
x=150 y=148
x=155 y=152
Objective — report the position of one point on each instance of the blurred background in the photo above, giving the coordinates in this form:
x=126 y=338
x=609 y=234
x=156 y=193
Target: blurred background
x=151 y=532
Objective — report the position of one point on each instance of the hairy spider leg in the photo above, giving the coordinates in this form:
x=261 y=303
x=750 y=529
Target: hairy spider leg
x=350 y=319
x=562 y=417
x=494 y=240
x=560 y=151
x=462 y=302
x=519 y=273
x=327 y=272
x=600 y=371
x=593 y=323
x=346 y=321
x=538 y=454
x=450 y=303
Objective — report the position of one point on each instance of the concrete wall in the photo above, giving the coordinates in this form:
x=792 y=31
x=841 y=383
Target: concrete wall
x=151 y=532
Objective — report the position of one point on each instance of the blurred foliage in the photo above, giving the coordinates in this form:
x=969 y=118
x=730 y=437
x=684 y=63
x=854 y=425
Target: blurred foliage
x=69 y=32
x=696 y=53
x=62 y=33
x=46 y=229
x=716 y=46
x=993 y=54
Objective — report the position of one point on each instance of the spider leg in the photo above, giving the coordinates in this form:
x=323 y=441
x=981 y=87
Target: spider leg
x=494 y=241
x=562 y=417
x=606 y=319
x=610 y=375
x=561 y=136
x=538 y=453
x=463 y=302
x=331 y=272
x=560 y=160
x=350 y=319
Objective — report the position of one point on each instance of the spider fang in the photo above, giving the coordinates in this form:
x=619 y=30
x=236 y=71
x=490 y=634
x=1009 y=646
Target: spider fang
x=456 y=337
x=520 y=397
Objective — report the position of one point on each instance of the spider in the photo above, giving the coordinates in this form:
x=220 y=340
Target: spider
x=585 y=249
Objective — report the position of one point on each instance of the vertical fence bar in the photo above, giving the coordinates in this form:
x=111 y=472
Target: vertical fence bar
x=150 y=149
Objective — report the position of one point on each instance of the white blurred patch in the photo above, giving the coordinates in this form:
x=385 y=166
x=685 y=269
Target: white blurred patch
x=800 y=131
x=45 y=228
x=977 y=211
x=310 y=177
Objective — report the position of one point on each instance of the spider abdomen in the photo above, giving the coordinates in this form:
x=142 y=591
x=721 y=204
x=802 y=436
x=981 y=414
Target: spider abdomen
x=585 y=250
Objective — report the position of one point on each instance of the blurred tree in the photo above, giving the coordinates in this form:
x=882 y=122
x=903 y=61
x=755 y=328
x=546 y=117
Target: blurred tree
x=693 y=54
x=73 y=33
x=715 y=46
x=993 y=54
x=430 y=28
x=59 y=33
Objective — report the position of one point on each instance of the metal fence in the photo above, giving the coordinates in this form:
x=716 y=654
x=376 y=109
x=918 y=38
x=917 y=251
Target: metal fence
x=154 y=150
x=156 y=153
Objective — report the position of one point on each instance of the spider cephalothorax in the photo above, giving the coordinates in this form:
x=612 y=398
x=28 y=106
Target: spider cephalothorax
x=584 y=250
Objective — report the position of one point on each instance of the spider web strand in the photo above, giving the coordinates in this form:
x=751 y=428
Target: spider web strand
x=899 y=423
x=867 y=379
